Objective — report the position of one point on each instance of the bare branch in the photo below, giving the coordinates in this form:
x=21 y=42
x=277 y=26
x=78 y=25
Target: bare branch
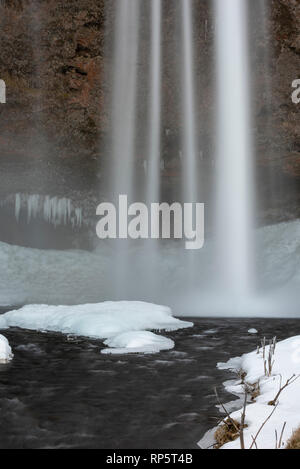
x=256 y=447
x=281 y=436
x=262 y=426
x=290 y=381
x=243 y=419
x=226 y=412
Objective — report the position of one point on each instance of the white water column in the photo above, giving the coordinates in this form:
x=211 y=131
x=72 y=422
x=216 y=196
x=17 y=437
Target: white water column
x=124 y=96
x=189 y=128
x=152 y=247
x=188 y=105
x=123 y=125
x=154 y=146
x=234 y=150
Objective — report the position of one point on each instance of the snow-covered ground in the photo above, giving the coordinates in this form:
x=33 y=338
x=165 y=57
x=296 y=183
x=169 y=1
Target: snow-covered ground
x=31 y=276
x=5 y=351
x=286 y=365
x=124 y=324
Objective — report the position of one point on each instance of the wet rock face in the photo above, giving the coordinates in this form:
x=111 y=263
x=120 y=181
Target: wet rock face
x=56 y=59
x=51 y=62
x=285 y=68
x=275 y=47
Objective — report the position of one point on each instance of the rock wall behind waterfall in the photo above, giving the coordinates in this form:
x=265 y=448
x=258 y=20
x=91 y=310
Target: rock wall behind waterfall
x=53 y=129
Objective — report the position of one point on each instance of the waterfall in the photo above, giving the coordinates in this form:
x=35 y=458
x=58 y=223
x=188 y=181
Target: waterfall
x=234 y=200
x=124 y=97
x=189 y=128
x=234 y=150
x=153 y=164
x=123 y=124
x=188 y=99
x=153 y=167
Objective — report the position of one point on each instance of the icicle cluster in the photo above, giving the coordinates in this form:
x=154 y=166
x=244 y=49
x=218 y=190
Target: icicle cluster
x=54 y=210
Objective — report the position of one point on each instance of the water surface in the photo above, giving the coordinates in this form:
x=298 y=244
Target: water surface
x=60 y=392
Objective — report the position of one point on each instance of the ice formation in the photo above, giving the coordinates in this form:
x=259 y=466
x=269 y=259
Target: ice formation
x=137 y=342
x=54 y=210
x=124 y=323
x=5 y=350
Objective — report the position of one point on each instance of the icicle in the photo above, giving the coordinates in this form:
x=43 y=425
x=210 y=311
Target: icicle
x=69 y=210
x=53 y=210
x=53 y=219
x=47 y=209
x=78 y=216
x=18 y=206
x=33 y=202
x=63 y=210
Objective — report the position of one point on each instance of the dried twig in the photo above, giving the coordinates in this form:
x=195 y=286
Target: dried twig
x=279 y=444
x=262 y=426
x=269 y=361
x=254 y=441
x=290 y=381
x=226 y=412
x=263 y=344
x=243 y=419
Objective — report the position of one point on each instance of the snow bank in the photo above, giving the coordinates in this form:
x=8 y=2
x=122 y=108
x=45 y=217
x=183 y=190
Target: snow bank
x=31 y=276
x=5 y=351
x=137 y=342
x=286 y=364
x=108 y=320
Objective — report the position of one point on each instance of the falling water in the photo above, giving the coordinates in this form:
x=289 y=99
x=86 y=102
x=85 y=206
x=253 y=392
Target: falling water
x=189 y=176
x=124 y=97
x=234 y=150
x=154 y=138
x=124 y=123
x=188 y=97
x=234 y=181
x=153 y=173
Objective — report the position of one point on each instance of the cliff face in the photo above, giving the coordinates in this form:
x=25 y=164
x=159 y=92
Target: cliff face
x=52 y=61
x=56 y=58
x=276 y=64
x=284 y=46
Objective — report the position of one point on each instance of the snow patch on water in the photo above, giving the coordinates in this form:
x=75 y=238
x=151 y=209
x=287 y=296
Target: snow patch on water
x=137 y=342
x=122 y=323
x=5 y=350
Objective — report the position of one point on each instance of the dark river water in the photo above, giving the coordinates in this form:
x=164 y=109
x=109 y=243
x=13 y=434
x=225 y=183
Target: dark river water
x=60 y=392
